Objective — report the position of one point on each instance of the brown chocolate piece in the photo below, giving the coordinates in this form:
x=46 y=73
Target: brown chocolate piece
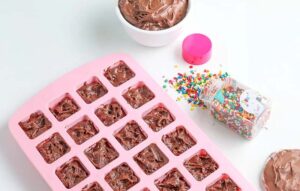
x=282 y=171
x=130 y=135
x=95 y=186
x=178 y=141
x=224 y=184
x=71 y=173
x=53 y=148
x=101 y=153
x=64 y=109
x=121 y=178
x=153 y=14
x=82 y=131
x=146 y=189
x=151 y=159
x=119 y=74
x=158 y=118
x=138 y=96
x=37 y=124
x=201 y=165
x=90 y=92
x=110 y=113
x=172 y=181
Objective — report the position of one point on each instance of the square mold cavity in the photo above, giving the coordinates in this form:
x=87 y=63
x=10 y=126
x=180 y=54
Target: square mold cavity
x=151 y=159
x=82 y=130
x=121 y=178
x=101 y=153
x=94 y=186
x=130 y=135
x=110 y=112
x=36 y=124
x=223 y=183
x=179 y=141
x=172 y=180
x=63 y=107
x=72 y=172
x=158 y=117
x=92 y=90
x=201 y=165
x=53 y=148
x=119 y=73
x=138 y=95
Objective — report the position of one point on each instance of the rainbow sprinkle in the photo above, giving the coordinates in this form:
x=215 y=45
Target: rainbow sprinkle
x=189 y=85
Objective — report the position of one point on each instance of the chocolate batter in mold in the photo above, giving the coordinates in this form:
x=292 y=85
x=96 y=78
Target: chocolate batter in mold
x=130 y=135
x=121 y=178
x=151 y=159
x=101 y=153
x=92 y=91
x=64 y=108
x=110 y=113
x=111 y=142
x=95 y=186
x=178 y=141
x=37 y=124
x=53 y=148
x=71 y=173
x=82 y=131
x=138 y=96
x=158 y=118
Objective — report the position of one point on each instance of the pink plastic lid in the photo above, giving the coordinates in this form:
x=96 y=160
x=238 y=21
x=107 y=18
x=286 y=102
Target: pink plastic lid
x=196 y=49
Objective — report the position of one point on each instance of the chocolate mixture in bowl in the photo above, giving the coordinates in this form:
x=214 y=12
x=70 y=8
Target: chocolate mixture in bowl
x=282 y=171
x=153 y=15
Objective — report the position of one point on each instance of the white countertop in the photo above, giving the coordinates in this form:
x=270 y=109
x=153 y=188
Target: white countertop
x=257 y=42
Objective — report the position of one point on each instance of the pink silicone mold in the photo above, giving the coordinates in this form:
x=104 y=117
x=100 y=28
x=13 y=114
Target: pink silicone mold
x=68 y=155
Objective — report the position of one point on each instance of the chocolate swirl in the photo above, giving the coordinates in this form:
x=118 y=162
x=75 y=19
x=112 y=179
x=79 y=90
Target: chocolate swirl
x=282 y=171
x=153 y=14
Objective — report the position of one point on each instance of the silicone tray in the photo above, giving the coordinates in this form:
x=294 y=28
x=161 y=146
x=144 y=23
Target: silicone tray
x=68 y=86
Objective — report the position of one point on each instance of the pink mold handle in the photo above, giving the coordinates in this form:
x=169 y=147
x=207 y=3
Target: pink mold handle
x=239 y=107
x=108 y=121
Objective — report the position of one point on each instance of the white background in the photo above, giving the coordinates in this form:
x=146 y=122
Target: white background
x=256 y=41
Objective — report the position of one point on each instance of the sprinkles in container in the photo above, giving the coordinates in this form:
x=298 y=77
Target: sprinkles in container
x=239 y=107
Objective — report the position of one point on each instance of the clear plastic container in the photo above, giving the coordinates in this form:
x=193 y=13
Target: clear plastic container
x=239 y=107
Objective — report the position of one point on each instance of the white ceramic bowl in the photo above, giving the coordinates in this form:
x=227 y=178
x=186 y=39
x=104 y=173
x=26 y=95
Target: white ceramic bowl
x=153 y=38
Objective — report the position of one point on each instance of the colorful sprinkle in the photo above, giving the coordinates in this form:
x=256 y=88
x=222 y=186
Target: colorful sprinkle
x=190 y=85
x=224 y=97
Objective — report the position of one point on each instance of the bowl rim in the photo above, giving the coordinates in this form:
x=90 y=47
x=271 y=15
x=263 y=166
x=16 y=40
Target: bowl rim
x=167 y=30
